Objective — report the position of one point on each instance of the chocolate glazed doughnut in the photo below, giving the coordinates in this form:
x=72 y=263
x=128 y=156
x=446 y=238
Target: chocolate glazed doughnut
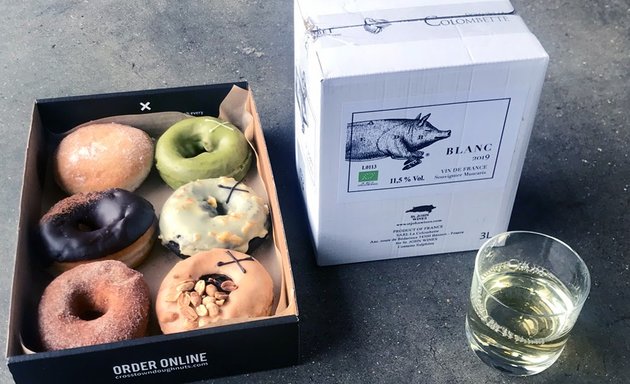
x=111 y=224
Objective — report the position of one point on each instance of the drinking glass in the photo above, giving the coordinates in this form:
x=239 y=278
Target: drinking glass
x=526 y=294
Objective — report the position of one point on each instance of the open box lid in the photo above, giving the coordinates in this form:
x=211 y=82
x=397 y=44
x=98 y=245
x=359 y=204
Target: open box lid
x=326 y=14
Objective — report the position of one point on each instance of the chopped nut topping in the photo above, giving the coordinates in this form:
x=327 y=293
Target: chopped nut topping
x=210 y=290
x=228 y=286
x=207 y=300
x=221 y=295
x=200 y=287
x=201 y=310
x=183 y=300
x=213 y=309
x=189 y=313
x=198 y=299
x=195 y=299
x=185 y=286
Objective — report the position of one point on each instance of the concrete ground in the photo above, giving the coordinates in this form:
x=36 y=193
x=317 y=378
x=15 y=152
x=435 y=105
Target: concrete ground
x=357 y=325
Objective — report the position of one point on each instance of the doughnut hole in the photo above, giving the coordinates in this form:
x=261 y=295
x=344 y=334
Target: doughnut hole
x=88 y=306
x=86 y=226
x=191 y=149
x=219 y=210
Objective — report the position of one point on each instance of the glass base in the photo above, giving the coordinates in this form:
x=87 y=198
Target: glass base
x=494 y=356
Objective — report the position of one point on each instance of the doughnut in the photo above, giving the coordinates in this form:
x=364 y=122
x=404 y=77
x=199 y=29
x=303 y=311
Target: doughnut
x=85 y=227
x=94 y=303
x=212 y=288
x=212 y=213
x=102 y=156
x=202 y=148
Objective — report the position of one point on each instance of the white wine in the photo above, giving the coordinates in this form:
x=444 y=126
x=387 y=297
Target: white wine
x=526 y=294
x=519 y=317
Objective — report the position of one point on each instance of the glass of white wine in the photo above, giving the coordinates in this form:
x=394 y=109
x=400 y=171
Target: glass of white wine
x=527 y=292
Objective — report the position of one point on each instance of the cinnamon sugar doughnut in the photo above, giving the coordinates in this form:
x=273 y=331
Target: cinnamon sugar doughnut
x=94 y=303
x=102 y=156
x=212 y=288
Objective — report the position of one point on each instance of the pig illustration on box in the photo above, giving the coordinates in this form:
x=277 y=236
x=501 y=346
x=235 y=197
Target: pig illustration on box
x=399 y=139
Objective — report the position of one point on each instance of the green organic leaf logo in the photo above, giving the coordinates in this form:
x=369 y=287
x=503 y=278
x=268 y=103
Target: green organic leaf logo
x=368 y=176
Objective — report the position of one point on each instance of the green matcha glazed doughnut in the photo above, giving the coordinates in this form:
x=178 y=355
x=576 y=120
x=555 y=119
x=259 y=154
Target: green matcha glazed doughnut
x=201 y=148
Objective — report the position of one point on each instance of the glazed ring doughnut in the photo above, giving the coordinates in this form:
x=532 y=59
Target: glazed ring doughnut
x=212 y=288
x=202 y=148
x=111 y=224
x=101 y=156
x=94 y=303
x=212 y=213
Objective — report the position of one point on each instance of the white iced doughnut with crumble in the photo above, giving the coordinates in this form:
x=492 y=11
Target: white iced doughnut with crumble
x=212 y=213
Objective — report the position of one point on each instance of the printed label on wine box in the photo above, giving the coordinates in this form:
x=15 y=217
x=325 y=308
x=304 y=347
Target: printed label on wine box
x=418 y=232
x=424 y=145
x=426 y=223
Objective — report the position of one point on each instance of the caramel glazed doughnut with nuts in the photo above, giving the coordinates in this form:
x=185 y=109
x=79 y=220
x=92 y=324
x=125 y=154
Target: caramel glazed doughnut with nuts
x=211 y=288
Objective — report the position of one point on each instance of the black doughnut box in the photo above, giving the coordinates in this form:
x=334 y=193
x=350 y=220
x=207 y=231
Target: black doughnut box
x=259 y=344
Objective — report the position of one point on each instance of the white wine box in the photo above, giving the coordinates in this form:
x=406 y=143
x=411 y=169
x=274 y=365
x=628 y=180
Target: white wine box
x=412 y=123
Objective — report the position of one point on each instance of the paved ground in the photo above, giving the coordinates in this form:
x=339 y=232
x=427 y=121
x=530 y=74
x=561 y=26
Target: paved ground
x=357 y=325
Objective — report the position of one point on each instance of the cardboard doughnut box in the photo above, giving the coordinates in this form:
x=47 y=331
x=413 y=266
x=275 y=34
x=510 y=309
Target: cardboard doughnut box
x=256 y=344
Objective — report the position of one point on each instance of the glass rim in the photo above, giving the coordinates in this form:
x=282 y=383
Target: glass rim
x=582 y=298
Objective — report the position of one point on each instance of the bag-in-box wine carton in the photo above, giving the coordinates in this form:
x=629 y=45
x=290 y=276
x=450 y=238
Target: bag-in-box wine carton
x=412 y=122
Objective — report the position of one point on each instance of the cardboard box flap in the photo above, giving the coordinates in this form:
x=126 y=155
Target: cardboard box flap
x=435 y=43
x=330 y=14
